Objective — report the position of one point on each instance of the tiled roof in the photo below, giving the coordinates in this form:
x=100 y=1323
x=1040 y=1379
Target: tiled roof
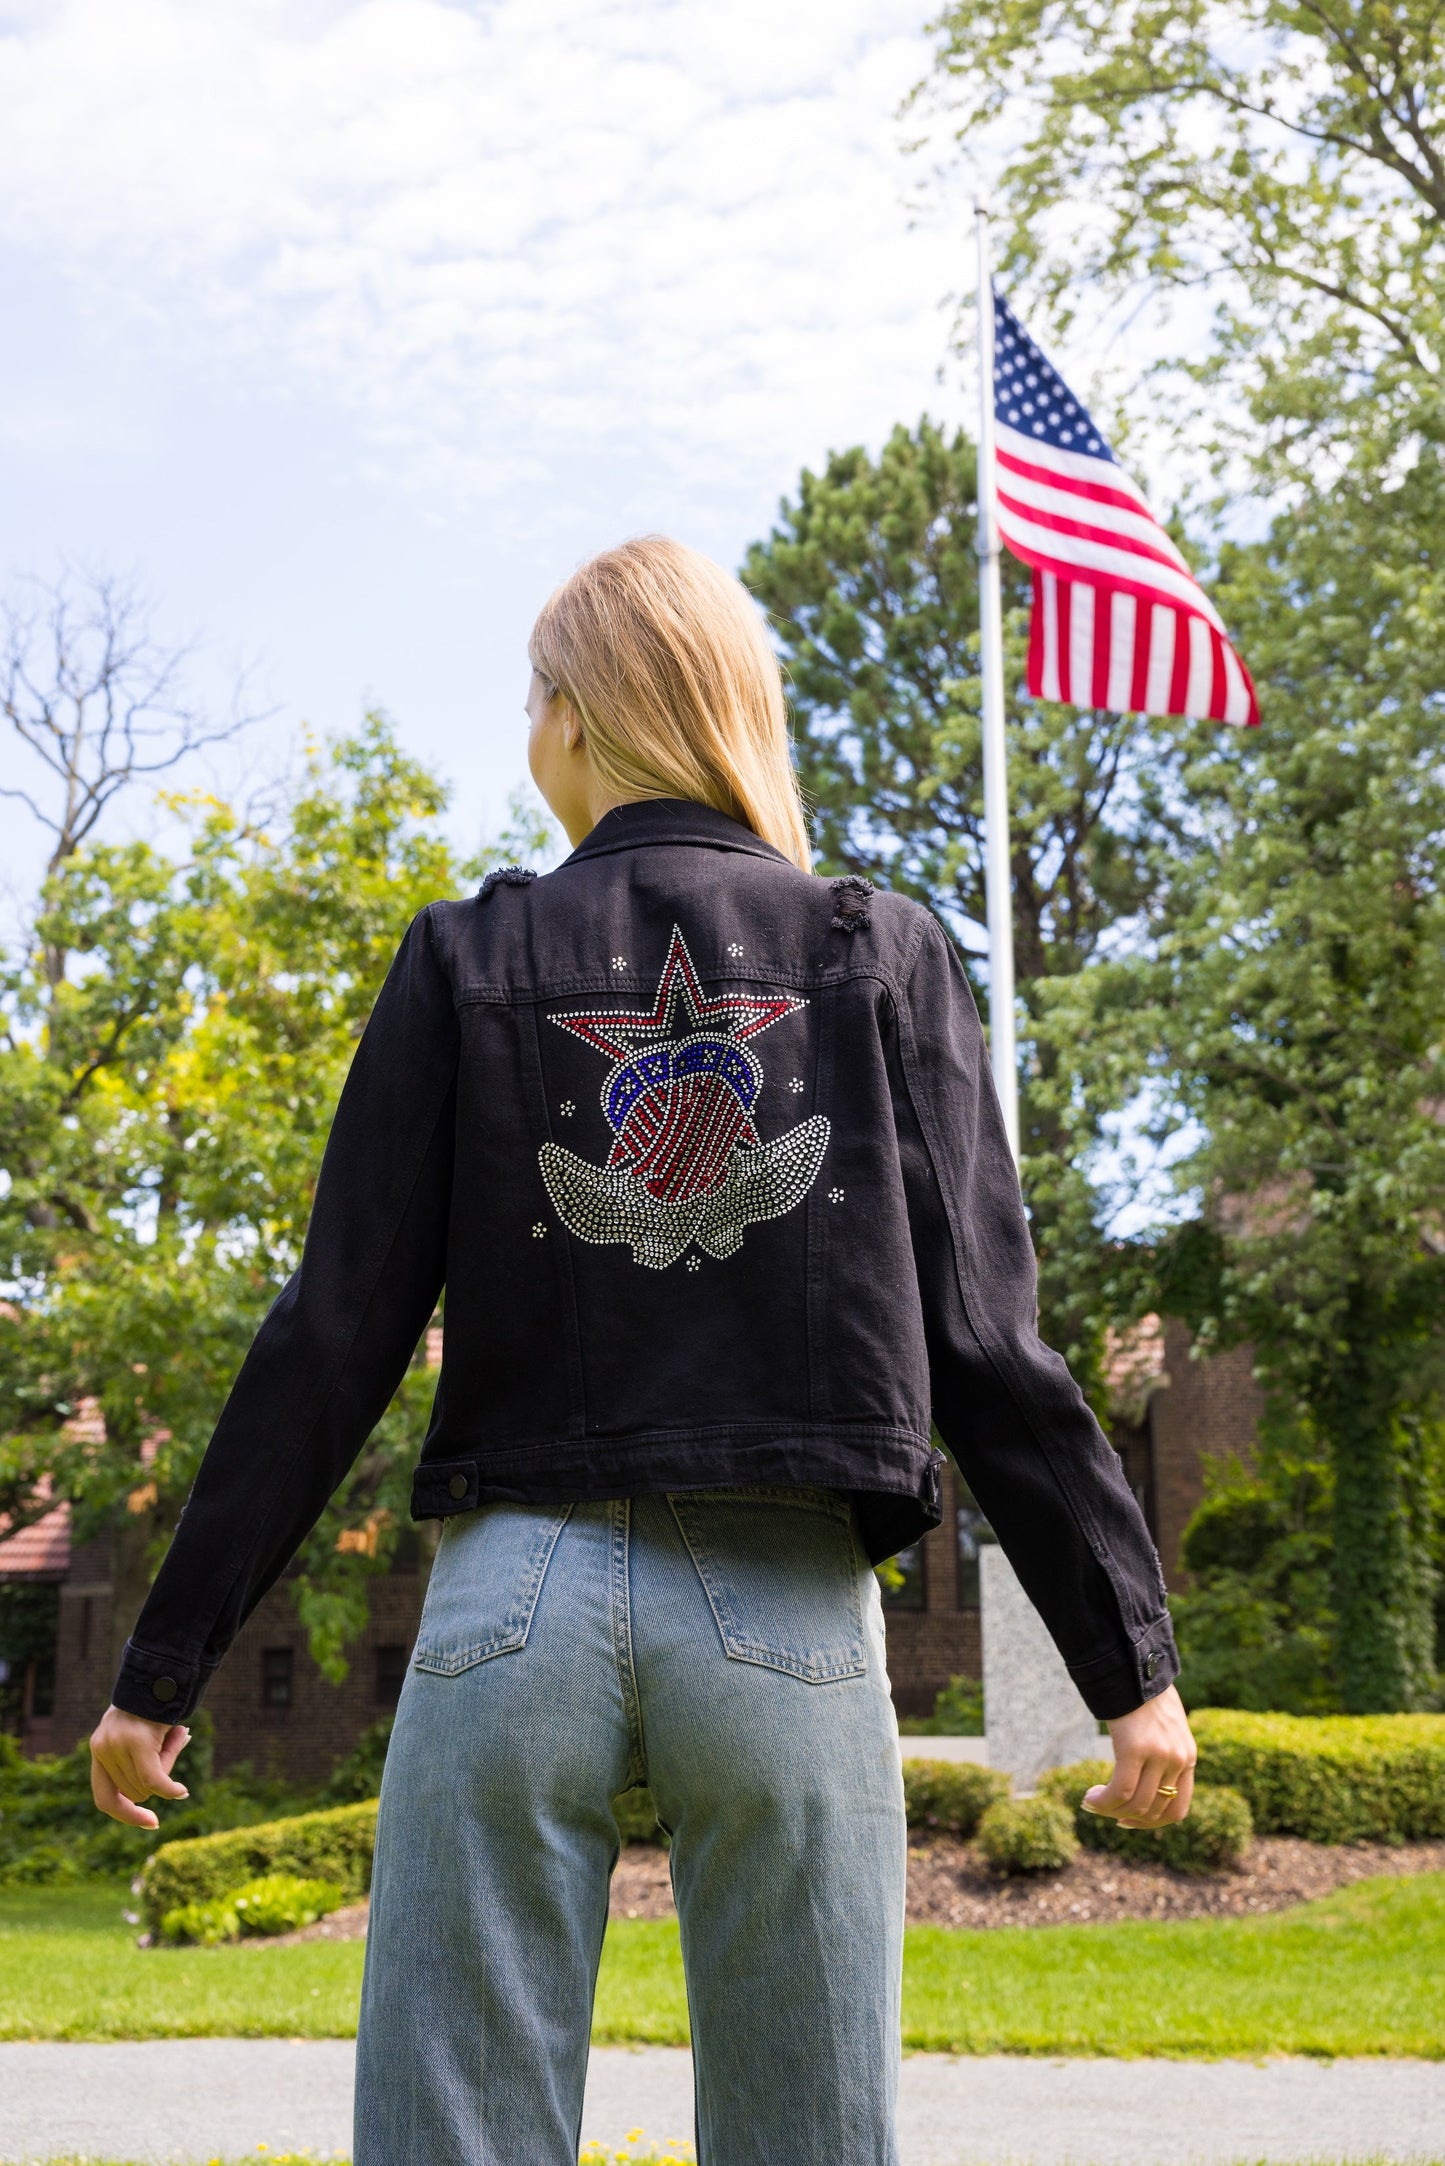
x=42 y=1550
x=1134 y=1367
x=39 y=1551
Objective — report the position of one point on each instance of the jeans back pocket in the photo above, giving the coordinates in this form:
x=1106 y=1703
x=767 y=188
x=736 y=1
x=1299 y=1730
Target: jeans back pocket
x=488 y=1573
x=783 y=1574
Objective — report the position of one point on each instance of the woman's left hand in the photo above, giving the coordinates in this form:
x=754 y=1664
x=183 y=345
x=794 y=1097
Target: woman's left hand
x=1154 y=1755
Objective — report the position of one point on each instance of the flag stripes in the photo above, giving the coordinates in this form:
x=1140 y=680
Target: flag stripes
x=1119 y=621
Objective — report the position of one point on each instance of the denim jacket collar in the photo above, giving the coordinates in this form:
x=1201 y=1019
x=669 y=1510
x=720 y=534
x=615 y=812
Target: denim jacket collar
x=670 y=819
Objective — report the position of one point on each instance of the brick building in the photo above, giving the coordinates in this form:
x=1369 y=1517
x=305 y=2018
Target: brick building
x=270 y=1703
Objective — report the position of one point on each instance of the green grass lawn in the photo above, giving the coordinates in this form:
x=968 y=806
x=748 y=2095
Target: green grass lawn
x=1362 y=1971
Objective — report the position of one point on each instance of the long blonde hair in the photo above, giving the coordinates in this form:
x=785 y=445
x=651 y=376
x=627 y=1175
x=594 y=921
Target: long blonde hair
x=663 y=657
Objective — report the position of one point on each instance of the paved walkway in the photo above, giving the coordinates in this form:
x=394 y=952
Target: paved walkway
x=190 y=2099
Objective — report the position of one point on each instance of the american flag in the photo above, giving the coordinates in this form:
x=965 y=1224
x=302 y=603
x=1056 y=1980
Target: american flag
x=1119 y=620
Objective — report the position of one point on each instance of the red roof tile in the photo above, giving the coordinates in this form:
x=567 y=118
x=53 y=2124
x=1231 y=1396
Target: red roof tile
x=39 y=1551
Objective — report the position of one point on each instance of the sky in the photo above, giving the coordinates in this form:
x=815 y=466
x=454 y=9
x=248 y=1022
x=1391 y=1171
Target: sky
x=350 y=326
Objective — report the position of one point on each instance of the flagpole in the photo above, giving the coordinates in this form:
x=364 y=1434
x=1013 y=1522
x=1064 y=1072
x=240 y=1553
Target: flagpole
x=998 y=884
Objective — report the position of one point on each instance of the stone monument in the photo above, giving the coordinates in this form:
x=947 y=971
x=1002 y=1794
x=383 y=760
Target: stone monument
x=1033 y=1714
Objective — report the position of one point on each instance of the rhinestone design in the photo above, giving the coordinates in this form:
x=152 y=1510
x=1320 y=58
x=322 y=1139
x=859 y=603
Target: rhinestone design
x=539 y=1229
x=687 y=1166
x=796 y=1085
x=619 y=962
x=567 y=1108
x=835 y=1195
x=735 y=947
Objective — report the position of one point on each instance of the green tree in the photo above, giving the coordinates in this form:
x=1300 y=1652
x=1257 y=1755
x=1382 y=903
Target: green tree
x=870 y=582
x=164 y=1100
x=1284 y=155
x=1289 y=1002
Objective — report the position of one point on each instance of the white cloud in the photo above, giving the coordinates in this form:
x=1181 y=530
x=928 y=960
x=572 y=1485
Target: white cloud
x=502 y=236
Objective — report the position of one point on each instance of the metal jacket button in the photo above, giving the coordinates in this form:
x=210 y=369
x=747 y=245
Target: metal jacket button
x=164 y=1688
x=458 y=1485
x=1151 y=1668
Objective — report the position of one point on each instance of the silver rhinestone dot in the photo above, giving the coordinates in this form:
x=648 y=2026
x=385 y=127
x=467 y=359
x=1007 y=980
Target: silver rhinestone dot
x=835 y=1195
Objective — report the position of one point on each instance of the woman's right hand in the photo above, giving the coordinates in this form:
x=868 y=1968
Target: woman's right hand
x=130 y=1760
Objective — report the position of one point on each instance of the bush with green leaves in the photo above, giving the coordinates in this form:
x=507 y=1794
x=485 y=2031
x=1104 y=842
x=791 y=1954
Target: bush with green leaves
x=1330 y=1778
x=51 y=1834
x=357 y=1775
x=957 y=1712
x=283 y=1903
x=335 y=1846
x=1027 y=1835
x=950 y=1795
x=1256 y=1628
x=277 y=1903
x=200 y=1925
x=1213 y=1838
x=636 y=1817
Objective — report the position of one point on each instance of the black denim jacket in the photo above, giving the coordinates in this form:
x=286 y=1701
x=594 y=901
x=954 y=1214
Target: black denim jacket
x=707 y=1157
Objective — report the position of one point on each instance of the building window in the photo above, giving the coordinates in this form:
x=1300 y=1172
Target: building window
x=902 y=1579
x=390 y=1675
x=973 y=1532
x=278 y=1668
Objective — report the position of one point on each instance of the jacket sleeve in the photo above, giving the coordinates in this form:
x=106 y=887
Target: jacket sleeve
x=332 y=1350
x=1044 y=1474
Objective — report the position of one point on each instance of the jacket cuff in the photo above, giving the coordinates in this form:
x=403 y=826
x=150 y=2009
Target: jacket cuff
x=1116 y=1684
x=162 y=1688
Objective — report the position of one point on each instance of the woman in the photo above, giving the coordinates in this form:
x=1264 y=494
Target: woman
x=705 y=1153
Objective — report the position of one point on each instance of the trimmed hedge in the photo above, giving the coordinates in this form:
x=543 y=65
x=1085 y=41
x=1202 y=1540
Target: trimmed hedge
x=1215 y=1836
x=950 y=1795
x=1330 y=1778
x=335 y=1845
x=1027 y=1835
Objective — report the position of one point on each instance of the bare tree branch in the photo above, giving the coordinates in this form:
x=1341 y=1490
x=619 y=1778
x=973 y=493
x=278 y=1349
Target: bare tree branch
x=102 y=705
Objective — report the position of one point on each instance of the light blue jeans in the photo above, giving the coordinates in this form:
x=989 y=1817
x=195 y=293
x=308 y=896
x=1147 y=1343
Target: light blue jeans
x=726 y=1647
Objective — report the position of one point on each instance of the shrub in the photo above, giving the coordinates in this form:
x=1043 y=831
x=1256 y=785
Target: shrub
x=51 y=1833
x=335 y=1846
x=357 y=1775
x=1027 y=1835
x=1257 y=1629
x=950 y=1795
x=280 y=1903
x=636 y=1817
x=1214 y=1837
x=1330 y=1778
x=1216 y=1834
x=957 y=1712
x=205 y=1925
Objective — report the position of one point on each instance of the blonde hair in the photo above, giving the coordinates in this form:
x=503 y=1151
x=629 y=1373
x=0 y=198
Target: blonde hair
x=665 y=660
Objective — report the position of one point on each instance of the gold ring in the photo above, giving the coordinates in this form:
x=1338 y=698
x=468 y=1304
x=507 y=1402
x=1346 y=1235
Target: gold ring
x=1167 y=1789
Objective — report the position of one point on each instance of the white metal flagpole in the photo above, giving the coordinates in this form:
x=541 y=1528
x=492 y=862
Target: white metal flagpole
x=998 y=886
